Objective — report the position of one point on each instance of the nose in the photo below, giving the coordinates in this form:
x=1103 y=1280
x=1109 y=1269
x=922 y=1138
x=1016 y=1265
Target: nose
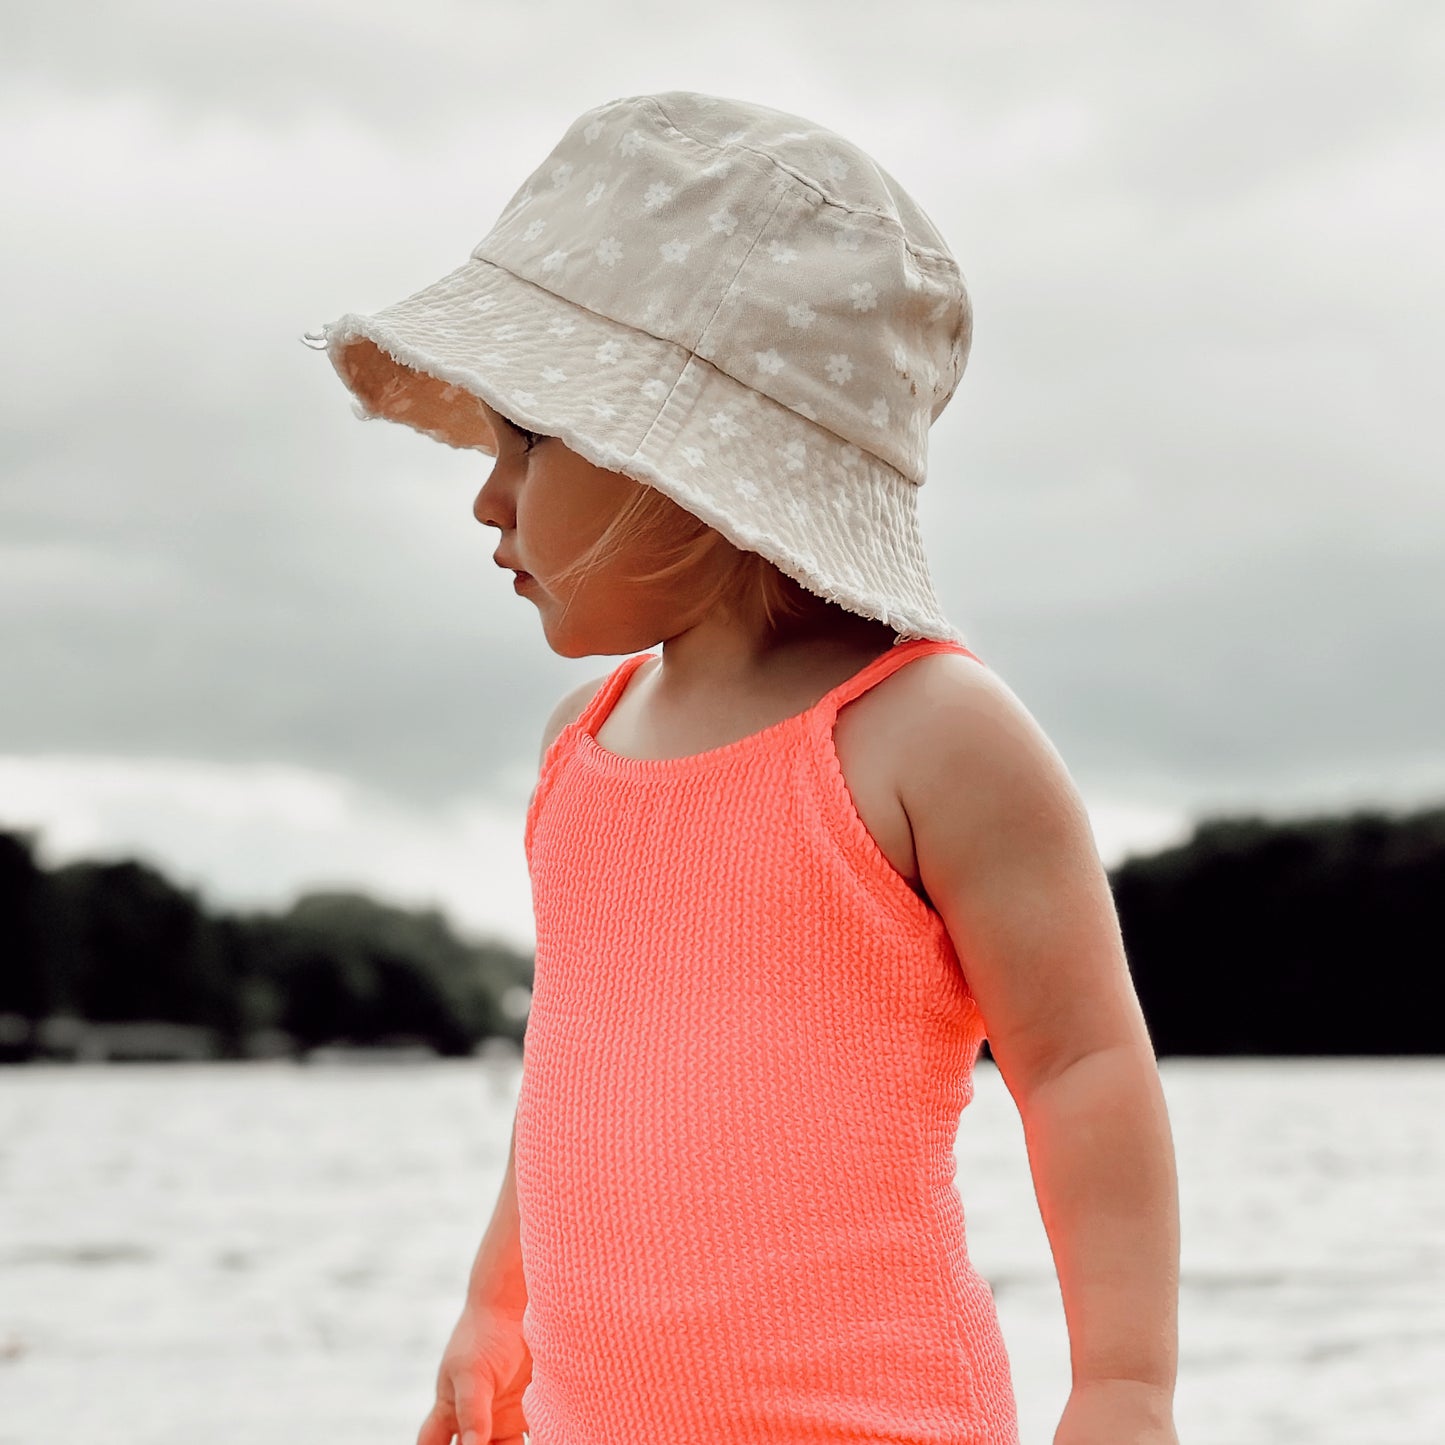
x=489 y=503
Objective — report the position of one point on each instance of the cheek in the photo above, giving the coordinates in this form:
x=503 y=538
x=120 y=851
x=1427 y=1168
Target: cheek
x=547 y=521
x=558 y=513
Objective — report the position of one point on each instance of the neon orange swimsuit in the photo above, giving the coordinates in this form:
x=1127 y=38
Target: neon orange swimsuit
x=749 y=1047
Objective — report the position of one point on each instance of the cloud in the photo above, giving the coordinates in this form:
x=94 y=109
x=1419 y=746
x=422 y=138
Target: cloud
x=253 y=836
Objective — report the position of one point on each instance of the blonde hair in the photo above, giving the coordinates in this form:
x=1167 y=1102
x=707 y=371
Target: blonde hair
x=751 y=586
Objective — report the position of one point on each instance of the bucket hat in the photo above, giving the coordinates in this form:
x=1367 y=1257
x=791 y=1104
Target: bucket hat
x=727 y=302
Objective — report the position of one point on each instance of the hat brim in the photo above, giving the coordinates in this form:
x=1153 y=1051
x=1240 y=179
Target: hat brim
x=836 y=519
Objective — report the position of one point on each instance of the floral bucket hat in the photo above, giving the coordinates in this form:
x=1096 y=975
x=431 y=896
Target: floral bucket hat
x=724 y=301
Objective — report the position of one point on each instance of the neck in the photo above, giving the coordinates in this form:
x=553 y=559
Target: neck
x=725 y=651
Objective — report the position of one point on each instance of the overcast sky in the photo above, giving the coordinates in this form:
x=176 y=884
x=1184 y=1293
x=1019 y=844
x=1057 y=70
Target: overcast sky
x=1188 y=500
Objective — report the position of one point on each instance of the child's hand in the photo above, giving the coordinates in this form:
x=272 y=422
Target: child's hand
x=1117 y=1412
x=485 y=1367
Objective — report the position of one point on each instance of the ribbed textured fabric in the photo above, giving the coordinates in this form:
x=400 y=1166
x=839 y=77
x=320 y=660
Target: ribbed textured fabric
x=749 y=1046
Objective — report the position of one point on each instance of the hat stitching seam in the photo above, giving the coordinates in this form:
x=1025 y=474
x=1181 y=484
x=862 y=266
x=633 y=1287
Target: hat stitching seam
x=725 y=291
x=923 y=253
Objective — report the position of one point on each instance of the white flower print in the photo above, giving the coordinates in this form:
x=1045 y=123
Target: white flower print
x=724 y=425
x=609 y=250
x=658 y=316
x=675 y=250
x=553 y=374
x=794 y=456
x=527 y=398
x=719 y=167
x=693 y=456
x=803 y=409
x=801 y=314
x=723 y=221
x=610 y=352
x=847 y=240
x=553 y=259
x=839 y=368
x=534 y=229
x=561 y=327
x=631 y=143
x=658 y=194
x=878 y=412
x=835 y=168
x=747 y=488
x=733 y=137
x=783 y=255
x=604 y=409
x=592 y=132
x=561 y=174
x=864 y=294
x=505 y=332
x=850 y=455
x=653 y=388
x=484 y=303
x=769 y=361
x=900 y=361
x=595 y=194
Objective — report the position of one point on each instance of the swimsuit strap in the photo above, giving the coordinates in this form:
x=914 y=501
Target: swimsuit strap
x=595 y=713
x=882 y=666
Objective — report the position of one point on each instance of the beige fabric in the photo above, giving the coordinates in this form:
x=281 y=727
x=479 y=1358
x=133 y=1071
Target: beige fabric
x=722 y=300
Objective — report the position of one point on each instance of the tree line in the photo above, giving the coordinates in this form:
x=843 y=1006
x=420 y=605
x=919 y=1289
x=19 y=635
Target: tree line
x=1315 y=936
x=1319 y=935
x=118 y=942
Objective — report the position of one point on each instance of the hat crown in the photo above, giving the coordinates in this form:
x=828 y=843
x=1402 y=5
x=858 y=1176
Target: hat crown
x=768 y=245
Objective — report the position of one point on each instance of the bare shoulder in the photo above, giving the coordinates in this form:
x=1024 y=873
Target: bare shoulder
x=567 y=711
x=969 y=751
x=1007 y=854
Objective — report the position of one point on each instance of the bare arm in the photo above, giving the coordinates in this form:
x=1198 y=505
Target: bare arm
x=496 y=1280
x=1006 y=853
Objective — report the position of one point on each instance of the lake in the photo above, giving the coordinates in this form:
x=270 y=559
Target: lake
x=266 y=1253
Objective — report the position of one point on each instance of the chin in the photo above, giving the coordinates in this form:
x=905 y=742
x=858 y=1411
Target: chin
x=581 y=641
x=566 y=641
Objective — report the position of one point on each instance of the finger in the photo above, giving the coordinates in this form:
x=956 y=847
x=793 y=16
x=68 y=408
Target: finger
x=474 y=1415
x=439 y=1427
x=508 y=1421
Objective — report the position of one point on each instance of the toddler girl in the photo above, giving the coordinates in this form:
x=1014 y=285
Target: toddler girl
x=789 y=873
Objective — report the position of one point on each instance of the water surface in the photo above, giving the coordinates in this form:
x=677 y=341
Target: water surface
x=267 y=1253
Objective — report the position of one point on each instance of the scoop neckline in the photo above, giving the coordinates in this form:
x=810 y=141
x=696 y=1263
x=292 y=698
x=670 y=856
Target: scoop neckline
x=713 y=757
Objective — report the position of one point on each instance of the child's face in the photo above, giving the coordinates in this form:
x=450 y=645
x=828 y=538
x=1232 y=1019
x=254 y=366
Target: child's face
x=551 y=504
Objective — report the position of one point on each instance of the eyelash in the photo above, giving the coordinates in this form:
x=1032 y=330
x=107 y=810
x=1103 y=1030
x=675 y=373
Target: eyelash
x=530 y=437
